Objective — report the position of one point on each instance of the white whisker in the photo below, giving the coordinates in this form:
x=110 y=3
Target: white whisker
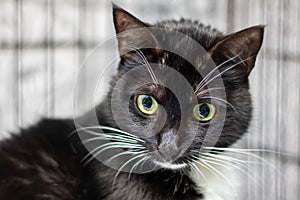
x=229 y=68
x=109 y=137
x=234 y=165
x=228 y=158
x=110 y=145
x=200 y=163
x=135 y=165
x=198 y=170
x=140 y=53
x=218 y=99
x=124 y=165
x=124 y=153
x=208 y=90
x=112 y=129
x=211 y=168
x=208 y=75
x=245 y=152
x=217 y=171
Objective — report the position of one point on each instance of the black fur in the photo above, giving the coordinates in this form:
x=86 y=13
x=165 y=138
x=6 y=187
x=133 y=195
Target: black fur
x=43 y=161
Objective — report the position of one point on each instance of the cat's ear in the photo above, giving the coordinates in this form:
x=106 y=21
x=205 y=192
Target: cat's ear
x=243 y=45
x=131 y=32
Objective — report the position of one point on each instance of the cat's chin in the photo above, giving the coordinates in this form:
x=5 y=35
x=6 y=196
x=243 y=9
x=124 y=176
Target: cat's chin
x=172 y=166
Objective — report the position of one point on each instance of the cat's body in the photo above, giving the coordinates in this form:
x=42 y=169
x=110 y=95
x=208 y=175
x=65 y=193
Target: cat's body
x=43 y=162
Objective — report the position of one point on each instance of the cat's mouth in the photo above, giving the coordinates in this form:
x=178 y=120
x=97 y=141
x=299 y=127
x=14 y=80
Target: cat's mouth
x=169 y=165
x=170 y=161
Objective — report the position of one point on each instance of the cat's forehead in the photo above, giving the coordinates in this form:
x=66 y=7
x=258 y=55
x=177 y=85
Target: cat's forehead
x=204 y=35
x=186 y=67
x=166 y=95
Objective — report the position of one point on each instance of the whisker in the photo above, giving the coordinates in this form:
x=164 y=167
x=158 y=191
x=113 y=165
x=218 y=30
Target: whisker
x=224 y=157
x=177 y=184
x=244 y=152
x=229 y=68
x=217 y=67
x=197 y=169
x=148 y=66
x=129 y=135
x=218 y=99
x=124 y=165
x=212 y=169
x=134 y=166
x=219 y=162
x=124 y=153
x=235 y=164
x=209 y=89
x=207 y=159
x=196 y=160
x=147 y=158
x=217 y=171
x=109 y=137
x=228 y=158
x=108 y=146
x=221 y=159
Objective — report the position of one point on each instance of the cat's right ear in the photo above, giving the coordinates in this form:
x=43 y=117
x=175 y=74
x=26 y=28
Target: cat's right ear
x=131 y=32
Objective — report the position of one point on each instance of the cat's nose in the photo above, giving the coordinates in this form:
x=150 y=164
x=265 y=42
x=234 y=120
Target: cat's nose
x=167 y=139
x=167 y=146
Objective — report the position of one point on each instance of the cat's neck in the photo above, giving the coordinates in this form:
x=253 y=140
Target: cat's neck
x=160 y=184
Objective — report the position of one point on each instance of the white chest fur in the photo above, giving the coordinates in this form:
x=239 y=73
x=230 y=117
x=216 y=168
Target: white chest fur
x=220 y=182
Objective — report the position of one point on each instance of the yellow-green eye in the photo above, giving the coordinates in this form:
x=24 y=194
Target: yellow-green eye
x=147 y=104
x=204 y=112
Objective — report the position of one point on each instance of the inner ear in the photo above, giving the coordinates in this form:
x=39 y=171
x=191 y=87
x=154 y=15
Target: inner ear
x=244 y=44
x=131 y=32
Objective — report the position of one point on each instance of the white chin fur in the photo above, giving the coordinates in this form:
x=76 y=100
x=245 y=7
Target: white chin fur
x=167 y=165
x=214 y=186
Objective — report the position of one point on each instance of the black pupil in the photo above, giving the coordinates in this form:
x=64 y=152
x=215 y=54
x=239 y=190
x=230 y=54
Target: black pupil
x=204 y=110
x=147 y=102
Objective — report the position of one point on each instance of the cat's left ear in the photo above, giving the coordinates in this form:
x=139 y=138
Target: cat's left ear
x=244 y=44
x=131 y=32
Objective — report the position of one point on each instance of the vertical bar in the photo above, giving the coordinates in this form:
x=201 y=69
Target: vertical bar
x=297 y=194
x=18 y=65
x=49 y=65
x=80 y=53
x=279 y=98
x=75 y=37
x=52 y=58
x=230 y=15
x=92 y=9
x=250 y=194
x=82 y=50
x=262 y=76
x=283 y=98
x=76 y=48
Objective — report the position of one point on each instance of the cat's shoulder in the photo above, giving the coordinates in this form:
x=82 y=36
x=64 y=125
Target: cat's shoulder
x=47 y=134
x=37 y=163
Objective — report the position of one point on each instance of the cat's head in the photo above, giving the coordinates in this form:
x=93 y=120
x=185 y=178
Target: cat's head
x=173 y=125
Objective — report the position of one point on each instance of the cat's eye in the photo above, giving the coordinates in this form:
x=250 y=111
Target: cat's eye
x=147 y=104
x=204 y=112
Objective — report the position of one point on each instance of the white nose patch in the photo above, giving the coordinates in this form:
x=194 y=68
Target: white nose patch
x=168 y=140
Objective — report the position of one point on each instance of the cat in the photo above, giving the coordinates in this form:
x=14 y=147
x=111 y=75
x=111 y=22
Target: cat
x=45 y=161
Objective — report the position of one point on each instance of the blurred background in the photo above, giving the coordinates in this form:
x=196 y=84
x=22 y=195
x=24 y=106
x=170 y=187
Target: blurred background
x=44 y=42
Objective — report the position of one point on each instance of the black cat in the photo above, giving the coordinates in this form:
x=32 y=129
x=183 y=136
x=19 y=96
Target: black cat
x=45 y=160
